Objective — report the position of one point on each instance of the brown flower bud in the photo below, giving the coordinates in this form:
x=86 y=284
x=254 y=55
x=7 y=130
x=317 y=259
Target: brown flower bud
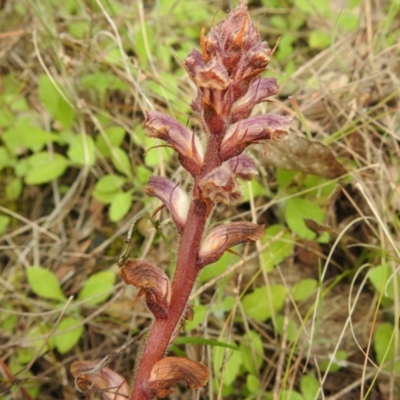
x=221 y=185
x=252 y=130
x=226 y=236
x=89 y=378
x=181 y=139
x=153 y=283
x=170 y=370
x=174 y=198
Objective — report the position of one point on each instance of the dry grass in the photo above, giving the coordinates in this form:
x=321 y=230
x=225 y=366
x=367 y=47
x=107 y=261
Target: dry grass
x=348 y=98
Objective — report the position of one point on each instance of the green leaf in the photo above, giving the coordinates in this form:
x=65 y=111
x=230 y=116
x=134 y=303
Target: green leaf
x=309 y=387
x=25 y=355
x=44 y=283
x=290 y=327
x=252 y=383
x=5 y=159
x=290 y=395
x=231 y=360
x=303 y=289
x=120 y=206
x=121 y=161
x=98 y=286
x=82 y=150
x=337 y=363
x=319 y=40
x=213 y=270
x=379 y=277
x=297 y=209
x=43 y=168
x=256 y=188
x=260 y=305
x=281 y=246
x=24 y=134
x=252 y=351
x=14 y=189
x=64 y=342
x=54 y=102
x=114 y=137
x=4 y=221
x=109 y=183
x=384 y=346
x=144 y=43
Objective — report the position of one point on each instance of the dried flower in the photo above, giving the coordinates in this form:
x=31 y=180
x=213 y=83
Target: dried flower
x=170 y=370
x=89 y=378
x=226 y=236
x=153 y=283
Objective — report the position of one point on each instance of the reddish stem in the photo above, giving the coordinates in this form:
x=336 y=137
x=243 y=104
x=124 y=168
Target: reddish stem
x=185 y=276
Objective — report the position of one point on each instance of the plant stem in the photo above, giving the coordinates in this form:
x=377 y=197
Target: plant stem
x=184 y=278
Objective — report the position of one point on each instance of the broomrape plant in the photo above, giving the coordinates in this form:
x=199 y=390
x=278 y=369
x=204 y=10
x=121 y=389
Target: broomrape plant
x=227 y=74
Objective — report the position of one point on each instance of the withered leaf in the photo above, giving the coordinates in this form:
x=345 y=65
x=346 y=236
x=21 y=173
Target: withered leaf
x=301 y=154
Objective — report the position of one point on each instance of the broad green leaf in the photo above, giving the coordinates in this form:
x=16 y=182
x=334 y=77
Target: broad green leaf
x=338 y=362
x=36 y=339
x=379 y=277
x=281 y=246
x=384 y=337
x=99 y=83
x=44 y=167
x=260 y=306
x=348 y=21
x=290 y=395
x=64 y=342
x=82 y=150
x=54 y=102
x=252 y=351
x=213 y=270
x=24 y=134
x=8 y=321
x=319 y=40
x=303 y=289
x=114 y=137
x=291 y=330
x=121 y=161
x=120 y=206
x=109 y=183
x=104 y=197
x=14 y=189
x=142 y=175
x=4 y=221
x=144 y=44
x=5 y=159
x=252 y=383
x=297 y=209
x=44 y=283
x=231 y=359
x=309 y=386
x=256 y=188
x=6 y=118
x=284 y=176
x=98 y=286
